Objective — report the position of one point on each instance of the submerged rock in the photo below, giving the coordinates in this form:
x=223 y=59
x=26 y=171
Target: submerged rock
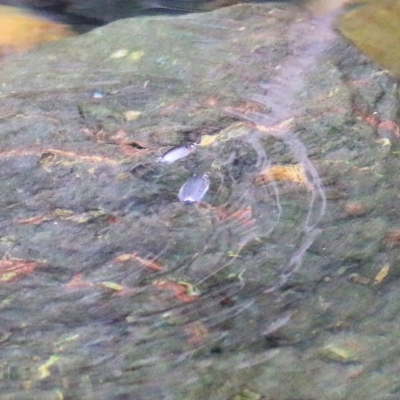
x=155 y=300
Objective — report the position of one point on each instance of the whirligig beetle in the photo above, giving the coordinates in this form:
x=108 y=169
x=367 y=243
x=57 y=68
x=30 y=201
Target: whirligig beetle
x=194 y=189
x=176 y=153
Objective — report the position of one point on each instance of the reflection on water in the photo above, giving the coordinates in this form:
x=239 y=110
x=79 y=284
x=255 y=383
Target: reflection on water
x=234 y=252
x=245 y=243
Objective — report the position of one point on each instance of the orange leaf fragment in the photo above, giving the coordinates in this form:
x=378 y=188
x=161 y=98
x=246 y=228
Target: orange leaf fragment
x=150 y=264
x=77 y=282
x=124 y=257
x=291 y=173
x=12 y=269
x=20 y=31
x=183 y=291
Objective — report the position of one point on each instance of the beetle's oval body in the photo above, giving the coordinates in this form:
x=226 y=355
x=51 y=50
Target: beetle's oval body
x=194 y=189
x=176 y=153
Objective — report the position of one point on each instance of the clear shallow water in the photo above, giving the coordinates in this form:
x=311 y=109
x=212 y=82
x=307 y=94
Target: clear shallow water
x=127 y=293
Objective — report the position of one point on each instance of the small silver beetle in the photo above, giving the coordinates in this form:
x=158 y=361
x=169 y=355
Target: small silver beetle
x=194 y=189
x=176 y=153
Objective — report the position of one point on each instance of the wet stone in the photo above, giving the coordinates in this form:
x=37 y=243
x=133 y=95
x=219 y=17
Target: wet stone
x=104 y=258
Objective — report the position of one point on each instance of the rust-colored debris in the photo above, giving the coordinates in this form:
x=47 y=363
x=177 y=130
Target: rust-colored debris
x=129 y=147
x=355 y=209
x=386 y=128
x=244 y=215
x=47 y=153
x=290 y=173
x=131 y=150
x=196 y=331
x=77 y=282
x=390 y=126
x=37 y=220
x=211 y=101
x=368 y=117
x=63 y=214
x=12 y=268
x=79 y=157
x=121 y=137
x=150 y=264
x=245 y=108
x=183 y=291
x=168 y=109
x=393 y=237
